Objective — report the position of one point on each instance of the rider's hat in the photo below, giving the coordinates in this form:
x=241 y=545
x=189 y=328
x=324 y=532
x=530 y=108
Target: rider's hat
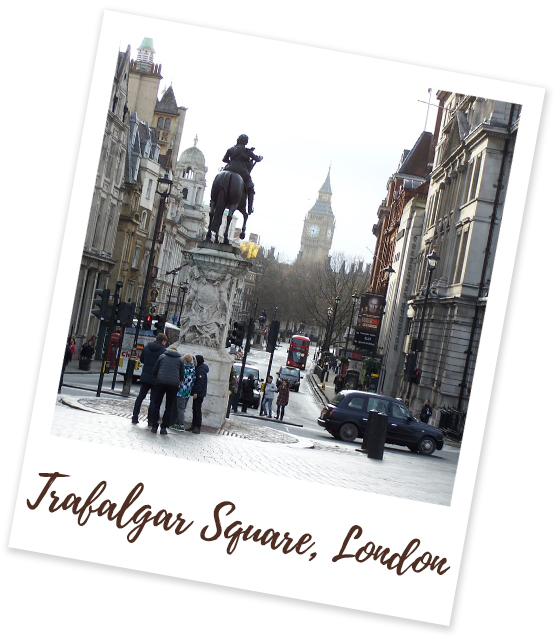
x=242 y=139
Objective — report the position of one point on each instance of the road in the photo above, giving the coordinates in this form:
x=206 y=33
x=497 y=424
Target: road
x=301 y=414
x=305 y=406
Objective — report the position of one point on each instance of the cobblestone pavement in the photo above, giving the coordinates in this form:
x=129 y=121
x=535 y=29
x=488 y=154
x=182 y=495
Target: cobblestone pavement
x=260 y=449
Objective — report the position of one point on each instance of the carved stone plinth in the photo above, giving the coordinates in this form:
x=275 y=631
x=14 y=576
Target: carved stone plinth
x=214 y=274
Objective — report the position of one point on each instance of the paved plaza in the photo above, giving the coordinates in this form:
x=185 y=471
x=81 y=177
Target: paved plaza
x=261 y=449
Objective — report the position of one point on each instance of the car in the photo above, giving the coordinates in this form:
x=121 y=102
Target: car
x=256 y=393
x=346 y=417
x=293 y=375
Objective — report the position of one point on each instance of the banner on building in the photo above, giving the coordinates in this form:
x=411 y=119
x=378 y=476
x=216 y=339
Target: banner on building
x=368 y=320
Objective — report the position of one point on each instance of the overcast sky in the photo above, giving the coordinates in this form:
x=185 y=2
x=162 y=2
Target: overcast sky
x=305 y=110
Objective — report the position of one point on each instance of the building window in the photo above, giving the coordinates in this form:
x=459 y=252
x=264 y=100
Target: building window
x=160 y=123
x=461 y=256
x=474 y=192
x=167 y=124
x=149 y=189
x=136 y=257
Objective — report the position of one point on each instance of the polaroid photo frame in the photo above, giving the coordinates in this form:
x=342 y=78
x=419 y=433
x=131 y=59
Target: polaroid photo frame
x=319 y=518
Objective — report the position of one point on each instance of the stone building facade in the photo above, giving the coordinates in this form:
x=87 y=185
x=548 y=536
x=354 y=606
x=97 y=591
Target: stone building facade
x=98 y=257
x=461 y=222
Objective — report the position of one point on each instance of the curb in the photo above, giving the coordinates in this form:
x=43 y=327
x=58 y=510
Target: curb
x=296 y=443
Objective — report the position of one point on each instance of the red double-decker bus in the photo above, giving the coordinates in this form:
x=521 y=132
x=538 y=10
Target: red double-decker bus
x=298 y=352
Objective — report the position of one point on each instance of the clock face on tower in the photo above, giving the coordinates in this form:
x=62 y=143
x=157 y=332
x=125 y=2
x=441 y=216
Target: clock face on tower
x=313 y=230
x=329 y=233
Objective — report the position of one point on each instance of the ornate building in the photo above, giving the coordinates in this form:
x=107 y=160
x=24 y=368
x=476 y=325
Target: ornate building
x=98 y=257
x=318 y=227
x=461 y=222
x=184 y=225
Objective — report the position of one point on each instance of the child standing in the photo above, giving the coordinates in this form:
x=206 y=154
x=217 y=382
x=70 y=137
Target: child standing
x=184 y=391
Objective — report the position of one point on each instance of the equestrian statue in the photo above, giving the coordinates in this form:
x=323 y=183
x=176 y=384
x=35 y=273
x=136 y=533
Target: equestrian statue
x=233 y=189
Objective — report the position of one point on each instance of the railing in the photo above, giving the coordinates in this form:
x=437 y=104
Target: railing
x=452 y=423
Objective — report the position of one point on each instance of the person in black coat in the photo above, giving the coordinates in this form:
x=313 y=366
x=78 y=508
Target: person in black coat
x=149 y=356
x=199 y=392
x=426 y=412
x=247 y=392
x=67 y=358
x=169 y=371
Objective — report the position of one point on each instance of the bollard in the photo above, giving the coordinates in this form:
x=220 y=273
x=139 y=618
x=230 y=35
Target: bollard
x=375 y=435
x=367 y=433
x=128 y=377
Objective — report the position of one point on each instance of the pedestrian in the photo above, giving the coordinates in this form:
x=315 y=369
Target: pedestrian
x=88 y=349
x=247 y=392
x=234 y=387
x=270 y=390
x=199 y=392
x=67 y=359
x=184 y=391
x=338 y=383
x=283 y=398
x=426 y=412
x=168 y=371
x=72 y=346
x=149 y=356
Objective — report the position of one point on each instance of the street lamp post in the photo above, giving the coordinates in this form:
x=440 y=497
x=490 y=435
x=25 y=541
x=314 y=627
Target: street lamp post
x=432 y=260
x=163 y=189
x=173 y=273
x=326 y=343
x=355 y=299
x=336 y=302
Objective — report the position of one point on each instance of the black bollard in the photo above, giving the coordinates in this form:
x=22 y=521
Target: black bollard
x=375 y=435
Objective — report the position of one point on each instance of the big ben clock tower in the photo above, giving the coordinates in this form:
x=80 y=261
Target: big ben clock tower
x=318 y=227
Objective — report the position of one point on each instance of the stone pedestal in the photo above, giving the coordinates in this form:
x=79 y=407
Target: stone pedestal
x=215 y=272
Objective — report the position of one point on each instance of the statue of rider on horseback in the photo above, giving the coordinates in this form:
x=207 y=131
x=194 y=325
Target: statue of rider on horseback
x=240 y=159
x=232 y=189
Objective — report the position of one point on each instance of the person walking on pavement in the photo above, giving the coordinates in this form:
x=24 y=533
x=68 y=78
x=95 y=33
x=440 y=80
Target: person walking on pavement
x=234 y=388
x=169 y=371
x=149 y=356
x=426 y=412
x=199 y=392
x=67 y=359
x=283 y=399
x=270 y=390
x=247 y=392
x=184 y=391
x=338 y=383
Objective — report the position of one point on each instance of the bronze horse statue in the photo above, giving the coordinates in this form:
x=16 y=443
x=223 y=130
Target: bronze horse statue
x=228 y=192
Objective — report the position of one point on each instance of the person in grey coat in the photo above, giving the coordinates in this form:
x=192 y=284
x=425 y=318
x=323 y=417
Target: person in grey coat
x=169 y=372
x=149 y=356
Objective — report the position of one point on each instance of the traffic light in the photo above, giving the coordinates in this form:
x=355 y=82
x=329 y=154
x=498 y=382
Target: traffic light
x=100 y=304
x=126 y=311
x=272 y=336
x=410 y=366
x=147 y=322
x=238 y=332
x=416 y=378
x=160 y=323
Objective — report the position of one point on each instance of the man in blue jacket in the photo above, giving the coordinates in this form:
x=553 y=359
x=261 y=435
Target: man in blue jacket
x=199 y=392
x=149 y=356
x=169 y=372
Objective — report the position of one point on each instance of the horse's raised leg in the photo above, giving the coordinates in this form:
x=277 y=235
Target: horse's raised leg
x=242 y=234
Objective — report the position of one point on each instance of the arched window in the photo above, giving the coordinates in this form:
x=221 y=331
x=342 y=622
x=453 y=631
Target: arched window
x=160 y=122
x=185 y=192
x=167 y=124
